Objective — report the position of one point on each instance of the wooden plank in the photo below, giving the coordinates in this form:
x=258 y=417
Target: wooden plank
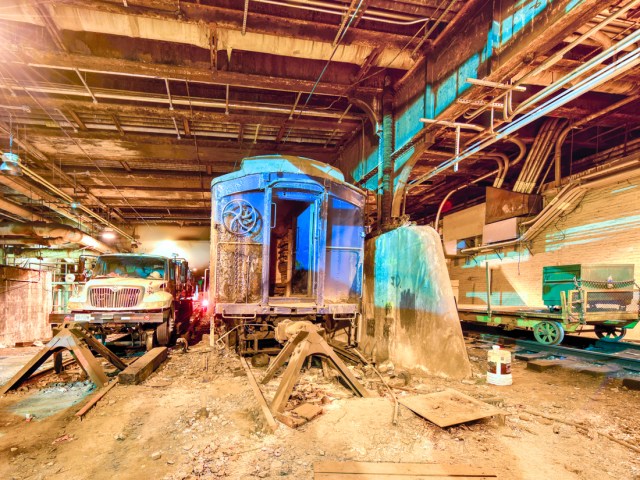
x=95 y=398
x=401 y=470
x=449 y=407
x=145 y=366
x=377 y=476
x=308 y=411
x=261 y=400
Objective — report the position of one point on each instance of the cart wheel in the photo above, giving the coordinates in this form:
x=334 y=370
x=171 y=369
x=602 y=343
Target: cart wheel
x=548 y=333
x=610 y=334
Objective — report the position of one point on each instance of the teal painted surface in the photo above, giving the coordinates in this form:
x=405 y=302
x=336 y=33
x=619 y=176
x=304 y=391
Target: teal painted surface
x=591 y=232
x=371 y=163
x=498 y=298
x=437 y=98
x=502 y=258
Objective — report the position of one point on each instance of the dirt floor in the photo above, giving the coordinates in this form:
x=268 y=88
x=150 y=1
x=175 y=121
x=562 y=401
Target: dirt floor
x=197 y=417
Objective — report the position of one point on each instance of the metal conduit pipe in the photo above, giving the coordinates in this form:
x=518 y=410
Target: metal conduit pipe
x=457 y=189
x=612 y=70
x=557 y=158
x=500 y=174
x=619 y=47
x=579 y=191
x=54 y=233
x=547 y=147
x=333 y=9
x=501 y=159
x=558 y=56
x=533 y=155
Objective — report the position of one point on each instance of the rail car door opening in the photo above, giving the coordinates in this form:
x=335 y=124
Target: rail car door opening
x=293 y=246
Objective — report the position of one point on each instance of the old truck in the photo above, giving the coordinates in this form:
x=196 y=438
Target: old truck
x=147 y=296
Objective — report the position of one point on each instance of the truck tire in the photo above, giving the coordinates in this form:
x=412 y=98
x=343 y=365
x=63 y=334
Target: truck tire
x=165 y=331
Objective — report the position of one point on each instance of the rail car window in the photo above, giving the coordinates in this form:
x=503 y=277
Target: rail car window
x=344 y=252
x=292 y=254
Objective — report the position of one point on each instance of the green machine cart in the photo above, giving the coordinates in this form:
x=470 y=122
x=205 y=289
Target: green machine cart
x=578 y=298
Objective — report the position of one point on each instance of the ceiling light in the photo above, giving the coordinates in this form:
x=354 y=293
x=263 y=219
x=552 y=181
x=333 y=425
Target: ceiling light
x=108 y=234
x=11 y=165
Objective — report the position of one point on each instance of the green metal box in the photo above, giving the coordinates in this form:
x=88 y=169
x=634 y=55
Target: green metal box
x=560 y=278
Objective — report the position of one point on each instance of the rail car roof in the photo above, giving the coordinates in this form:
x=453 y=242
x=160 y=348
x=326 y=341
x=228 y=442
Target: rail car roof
x=285 y=164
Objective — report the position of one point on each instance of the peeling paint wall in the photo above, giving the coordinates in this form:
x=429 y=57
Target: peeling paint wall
x=25 y=303
x=410 y=315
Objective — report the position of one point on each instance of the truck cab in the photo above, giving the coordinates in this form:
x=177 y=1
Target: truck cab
x=146 y=296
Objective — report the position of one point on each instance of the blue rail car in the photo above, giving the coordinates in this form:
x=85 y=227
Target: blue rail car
x=287 y=241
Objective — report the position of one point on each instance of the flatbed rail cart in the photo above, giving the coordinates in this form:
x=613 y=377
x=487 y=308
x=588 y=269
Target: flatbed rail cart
x=578 y=298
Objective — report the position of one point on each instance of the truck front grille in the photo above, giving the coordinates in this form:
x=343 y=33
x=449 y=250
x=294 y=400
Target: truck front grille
x=107 y=297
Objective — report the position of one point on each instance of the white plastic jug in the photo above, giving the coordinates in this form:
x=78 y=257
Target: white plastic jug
x=499 y=366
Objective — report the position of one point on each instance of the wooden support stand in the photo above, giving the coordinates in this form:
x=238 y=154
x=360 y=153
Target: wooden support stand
x=303 y=345
x=72 y=337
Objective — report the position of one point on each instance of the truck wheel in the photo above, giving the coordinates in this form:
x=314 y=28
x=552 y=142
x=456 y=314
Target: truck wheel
x=165 y=331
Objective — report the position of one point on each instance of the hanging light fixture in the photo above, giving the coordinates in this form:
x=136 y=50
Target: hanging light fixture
x=11 y=161
x=108 y=234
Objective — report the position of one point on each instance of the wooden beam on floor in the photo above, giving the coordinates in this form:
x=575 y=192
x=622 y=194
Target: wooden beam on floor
x=148 y=363
x=264 y=408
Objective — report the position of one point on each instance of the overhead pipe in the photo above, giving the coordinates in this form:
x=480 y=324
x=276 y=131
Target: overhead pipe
x=558 y=56
x=557 y=158
x=457 y=189
x=499 y=173
x=54 y=234
x=606 y=54
x=612 y=70
x=545 y=144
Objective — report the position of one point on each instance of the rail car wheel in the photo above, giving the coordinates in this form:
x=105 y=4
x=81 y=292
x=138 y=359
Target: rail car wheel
x=610 y=334
x=548 y=333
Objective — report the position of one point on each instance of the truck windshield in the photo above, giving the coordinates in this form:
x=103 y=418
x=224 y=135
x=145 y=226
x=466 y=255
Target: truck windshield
x=130 y=266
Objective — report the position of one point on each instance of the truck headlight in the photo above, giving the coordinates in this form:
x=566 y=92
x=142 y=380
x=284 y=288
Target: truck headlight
x=75 y=305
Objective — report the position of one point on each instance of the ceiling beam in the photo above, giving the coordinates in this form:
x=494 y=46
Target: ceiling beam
x=87 y=107
x=197 y=72
x=40 y=157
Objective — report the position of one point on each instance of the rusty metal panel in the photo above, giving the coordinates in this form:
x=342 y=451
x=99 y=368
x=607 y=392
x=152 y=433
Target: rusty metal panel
x=504 y=204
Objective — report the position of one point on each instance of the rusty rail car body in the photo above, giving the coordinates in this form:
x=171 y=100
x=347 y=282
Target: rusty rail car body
x=287 y=242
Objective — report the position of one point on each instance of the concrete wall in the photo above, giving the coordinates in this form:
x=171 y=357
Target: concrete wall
x=25 y=303
x=603 y=228
x=410 y=315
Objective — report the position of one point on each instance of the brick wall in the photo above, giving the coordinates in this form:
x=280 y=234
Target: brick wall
x=603 y=228
x=25 y=303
